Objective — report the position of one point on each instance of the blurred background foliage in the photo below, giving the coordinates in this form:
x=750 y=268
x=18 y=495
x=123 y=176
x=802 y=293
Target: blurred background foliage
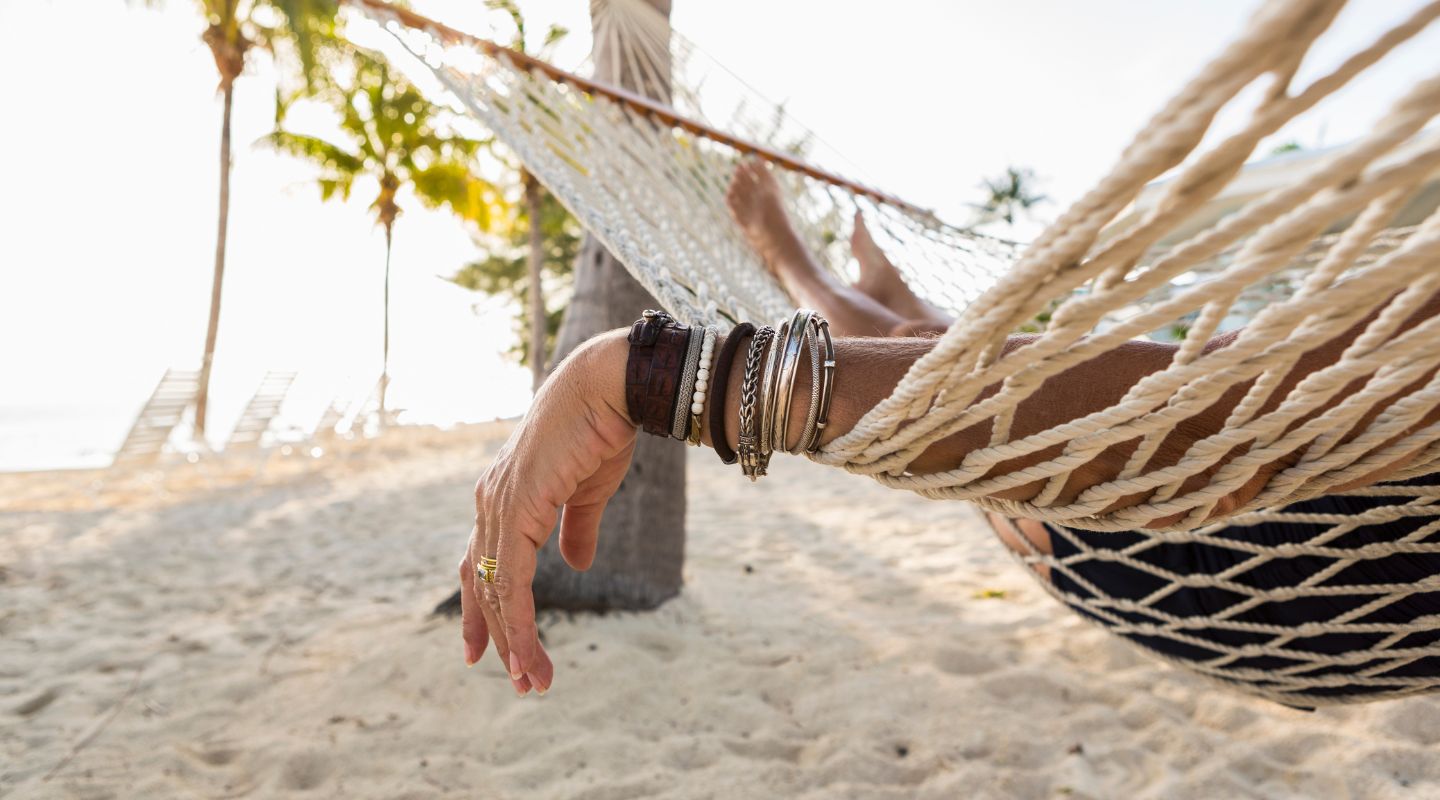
x=501 y=270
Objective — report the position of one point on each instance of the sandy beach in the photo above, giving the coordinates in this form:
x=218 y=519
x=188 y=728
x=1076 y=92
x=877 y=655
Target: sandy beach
x=213 y=632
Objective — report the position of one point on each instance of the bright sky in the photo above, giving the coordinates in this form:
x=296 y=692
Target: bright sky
x=111 y=148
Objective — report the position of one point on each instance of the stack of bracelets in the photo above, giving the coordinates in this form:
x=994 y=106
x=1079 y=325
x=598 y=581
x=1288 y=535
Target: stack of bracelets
x=672 y=373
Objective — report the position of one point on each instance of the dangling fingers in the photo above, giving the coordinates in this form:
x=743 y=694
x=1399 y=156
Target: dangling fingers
x=482 y=553
x=542 y=672
x=490 y=597
x=472 y=619
x=515 y=602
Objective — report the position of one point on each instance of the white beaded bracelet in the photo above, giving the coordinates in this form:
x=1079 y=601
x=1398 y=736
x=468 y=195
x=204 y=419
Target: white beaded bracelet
x=702 y=376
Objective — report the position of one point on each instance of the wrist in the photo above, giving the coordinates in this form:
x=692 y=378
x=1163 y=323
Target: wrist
x=602 y=360
x=799 y=403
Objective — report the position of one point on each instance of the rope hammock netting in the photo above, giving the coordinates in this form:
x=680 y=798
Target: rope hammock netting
x=1298 y=264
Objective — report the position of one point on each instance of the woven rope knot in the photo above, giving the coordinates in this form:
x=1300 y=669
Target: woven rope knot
x=1279 y=594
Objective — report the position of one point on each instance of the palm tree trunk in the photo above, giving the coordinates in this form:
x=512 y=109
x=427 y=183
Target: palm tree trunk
x=202 y=394
x=534 y=198
x=385 y=347
x=641 y=551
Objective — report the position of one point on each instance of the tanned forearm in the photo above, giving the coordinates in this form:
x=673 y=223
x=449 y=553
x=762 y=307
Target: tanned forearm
x=869 y=369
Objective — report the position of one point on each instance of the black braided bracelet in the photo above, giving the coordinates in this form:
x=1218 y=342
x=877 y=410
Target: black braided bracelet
x=719 y=383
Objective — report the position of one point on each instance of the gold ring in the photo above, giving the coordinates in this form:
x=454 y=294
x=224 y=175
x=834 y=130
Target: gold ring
x=486 y=569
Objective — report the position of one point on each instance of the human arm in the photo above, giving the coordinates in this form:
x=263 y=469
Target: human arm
x=574 y=447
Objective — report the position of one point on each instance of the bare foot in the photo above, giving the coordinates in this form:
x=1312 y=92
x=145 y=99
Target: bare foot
x=881 y=280
x=758 y=205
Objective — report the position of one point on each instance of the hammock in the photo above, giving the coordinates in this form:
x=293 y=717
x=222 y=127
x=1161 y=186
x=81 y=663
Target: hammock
x=648 y=179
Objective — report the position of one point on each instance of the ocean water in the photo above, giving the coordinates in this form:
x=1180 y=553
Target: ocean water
x=43 y=437
x=75 y=430
x=79 y=433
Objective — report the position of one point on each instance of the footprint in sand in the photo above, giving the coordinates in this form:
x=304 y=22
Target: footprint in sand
x=37 y=703
x=692 y=754
x=253 y=638
x=1416 y=720
x=1294 y=750
x=963 y=662
x=769 y=749
x=213 y=756
x=890 y=593
x=1029 y=684
x=663 y=648
x=305 y=770
x=1224 y=715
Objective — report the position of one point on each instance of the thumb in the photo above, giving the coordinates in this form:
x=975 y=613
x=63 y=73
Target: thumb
x=579 y=532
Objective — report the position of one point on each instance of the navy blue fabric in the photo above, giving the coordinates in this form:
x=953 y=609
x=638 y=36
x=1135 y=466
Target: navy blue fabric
x=1198 y=558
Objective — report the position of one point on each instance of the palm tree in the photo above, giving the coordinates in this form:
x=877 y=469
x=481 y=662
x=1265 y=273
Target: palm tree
x=401 y=140
x=507 y=268
x=234 y=28
x=1009 y=196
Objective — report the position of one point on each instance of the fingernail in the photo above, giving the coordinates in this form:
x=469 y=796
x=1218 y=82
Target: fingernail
x=470 y=655
x=540 y=688
x=514 y=666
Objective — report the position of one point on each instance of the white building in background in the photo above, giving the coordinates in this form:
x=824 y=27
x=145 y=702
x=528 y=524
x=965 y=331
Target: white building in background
x=1256 y=180
x=1261 y=177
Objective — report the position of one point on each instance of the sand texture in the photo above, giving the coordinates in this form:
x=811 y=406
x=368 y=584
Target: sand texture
x=199 y=634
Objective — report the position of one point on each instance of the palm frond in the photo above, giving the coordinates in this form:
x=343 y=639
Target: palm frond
x=327 y=155
x=553 y=36
x=307 y=24
x=513 y=10
x=453 y=184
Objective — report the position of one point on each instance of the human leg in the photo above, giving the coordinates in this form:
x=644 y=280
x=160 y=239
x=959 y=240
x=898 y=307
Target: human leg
x=880 y=279
x=758 y=206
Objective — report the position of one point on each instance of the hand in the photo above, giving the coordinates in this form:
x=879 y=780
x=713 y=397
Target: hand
x=572 y=450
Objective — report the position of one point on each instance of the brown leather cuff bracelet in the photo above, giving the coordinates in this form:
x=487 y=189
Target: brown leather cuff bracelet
x=658 y=345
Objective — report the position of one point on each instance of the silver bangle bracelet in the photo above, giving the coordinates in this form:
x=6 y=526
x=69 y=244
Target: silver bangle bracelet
x=767 y=390
x=796 y=332
x=680 y=422
x=827 y=387
x=812 y=412
x=769 y=383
